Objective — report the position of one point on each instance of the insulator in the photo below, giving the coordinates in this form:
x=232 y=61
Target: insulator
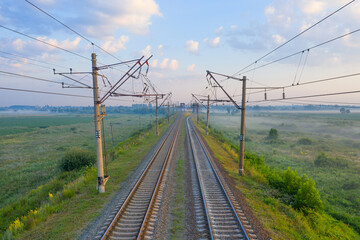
x=283 y=94
x=265 y=96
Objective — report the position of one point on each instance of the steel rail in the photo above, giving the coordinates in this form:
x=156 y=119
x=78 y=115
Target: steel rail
x=200 y=182
x=207 y=154
x=110 y=228
x=169 y=155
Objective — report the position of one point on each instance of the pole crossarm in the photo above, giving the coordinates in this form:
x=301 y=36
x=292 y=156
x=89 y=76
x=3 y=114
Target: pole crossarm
x=232 y=100
x=227 y=76
x=124 y=78
x=198 y=100
x=168 y=96
x=137 y=95
x=216 y=100
x=72 y=79
x=115 y=64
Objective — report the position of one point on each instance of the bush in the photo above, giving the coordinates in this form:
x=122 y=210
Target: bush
x=77 y=158
x=307 y=196
x=305 y=141
x=322 y=160
x=273 y=134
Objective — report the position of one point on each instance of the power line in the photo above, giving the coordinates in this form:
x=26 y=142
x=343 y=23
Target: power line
x=31 y=59
x=71 y=29
x=52 y=45
x=17 y=60
x=302 y=51
x=60 y=94
x=291 y=39
x=31 y=77
x=308 y=96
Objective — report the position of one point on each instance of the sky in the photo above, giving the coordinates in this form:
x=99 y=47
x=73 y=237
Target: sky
x=186 y=38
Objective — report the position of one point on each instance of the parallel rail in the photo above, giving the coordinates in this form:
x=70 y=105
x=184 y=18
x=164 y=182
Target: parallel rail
x=223 y=220
x=131 y=219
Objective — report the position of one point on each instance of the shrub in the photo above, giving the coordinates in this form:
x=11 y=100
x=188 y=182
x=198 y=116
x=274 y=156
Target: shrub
x=307 y=196
x=305 y=141
x=273 y=134
x=77 y=158
x=322 y=160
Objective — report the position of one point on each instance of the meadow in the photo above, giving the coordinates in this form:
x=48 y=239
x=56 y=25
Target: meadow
x=32 y=146
x=323 y=145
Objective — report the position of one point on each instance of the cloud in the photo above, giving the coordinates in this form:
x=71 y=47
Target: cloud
x=313 y=7
x=212 y=42
x=219 y=29
x=192 y=46
x=160 y=50
x=115 y=45
x=165 y=64
x=154 y=63
x=191 y=68
x=278 y=39
x=174 y=65
x=147 y=51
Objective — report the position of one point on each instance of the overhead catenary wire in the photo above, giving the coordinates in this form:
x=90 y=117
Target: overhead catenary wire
x=72 y=30
x=49 y=44
x=30 y=77
x=307 y=49
x=297 y=35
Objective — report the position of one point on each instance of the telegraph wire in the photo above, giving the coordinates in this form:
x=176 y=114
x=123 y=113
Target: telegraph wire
x=31 y=77
x=291 y=39
x=31 y=59
x=308 y=96
x=52 y=45
x=17 y=60
x=74 y=31
x=308 y=49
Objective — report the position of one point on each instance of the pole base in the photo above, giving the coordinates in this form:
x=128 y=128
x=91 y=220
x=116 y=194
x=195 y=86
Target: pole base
x=101 y=188
x=241 y=172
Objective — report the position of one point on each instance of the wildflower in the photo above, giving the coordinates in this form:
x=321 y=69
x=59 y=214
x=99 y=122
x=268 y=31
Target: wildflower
x=50 y=196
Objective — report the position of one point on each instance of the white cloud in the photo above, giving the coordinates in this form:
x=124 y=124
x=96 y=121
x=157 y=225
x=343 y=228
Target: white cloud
x=174 y=65
x=269 y=10
x=219 y=29
x=212 y=42
x=18 y=44
x=164 y=63
x=233 y=27
x=110 y=15
x=147 y=51
x=192 y=46
x=191 y=68
x=278 y=39
x=154 y=63
x=160 y=50
x=313 y=7
x=114 y=45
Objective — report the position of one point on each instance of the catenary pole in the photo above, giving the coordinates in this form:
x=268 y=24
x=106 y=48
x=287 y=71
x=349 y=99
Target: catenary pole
x=157 y=117
x=242 y=133
x=97 y=120
x=207 y=118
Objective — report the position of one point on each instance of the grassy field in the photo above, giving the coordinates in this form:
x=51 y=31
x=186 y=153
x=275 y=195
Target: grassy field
x=302 y=137
x=62 y=197
x=31 y=146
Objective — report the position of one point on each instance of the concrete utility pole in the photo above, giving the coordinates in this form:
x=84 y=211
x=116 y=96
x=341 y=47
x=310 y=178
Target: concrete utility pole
x=97 y=120
x=157 y=117
x=242 y=133
x=168 y=112
x=208 y=111
x=174 y=110
x=197 y=112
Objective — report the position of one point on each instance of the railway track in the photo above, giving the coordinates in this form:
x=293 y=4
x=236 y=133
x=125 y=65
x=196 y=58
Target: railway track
x=133 y=220
x=221 y=214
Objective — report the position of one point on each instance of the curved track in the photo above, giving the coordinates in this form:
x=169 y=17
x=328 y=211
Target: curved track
x=132 y=219
x=222 y=219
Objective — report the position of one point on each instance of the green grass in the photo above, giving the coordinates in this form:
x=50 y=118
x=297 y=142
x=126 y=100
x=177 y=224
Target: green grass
x=302 y=137
x=178 y=210
x=77 y=202
x=277 y=217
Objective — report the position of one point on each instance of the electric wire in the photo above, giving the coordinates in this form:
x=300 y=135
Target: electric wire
x=49 y=44
x=72 y=30
x=308 y=96
x=31 y=59
x=308 y=49
x=297 y=35
x=17 y=60
x=30 y=77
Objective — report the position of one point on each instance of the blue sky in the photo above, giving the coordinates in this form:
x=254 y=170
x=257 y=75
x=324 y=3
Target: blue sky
x=186 y=38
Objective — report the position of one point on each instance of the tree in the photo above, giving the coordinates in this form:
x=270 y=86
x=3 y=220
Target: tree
x=342 y=110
